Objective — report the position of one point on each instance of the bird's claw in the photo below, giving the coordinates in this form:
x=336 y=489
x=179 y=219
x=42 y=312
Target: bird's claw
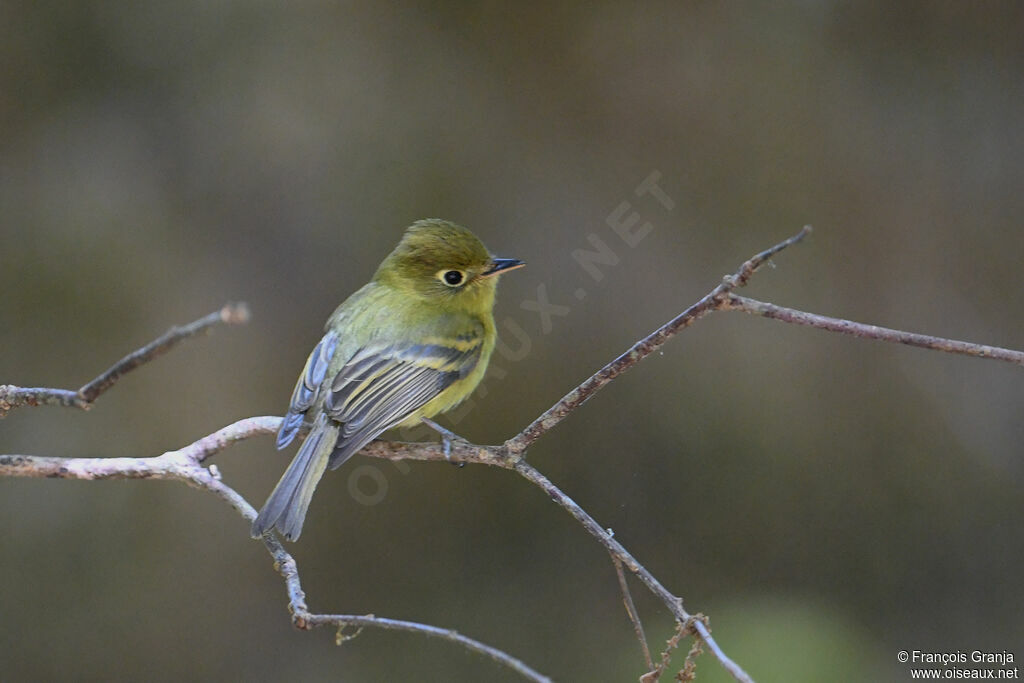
x=447 y=436
x=446 y=447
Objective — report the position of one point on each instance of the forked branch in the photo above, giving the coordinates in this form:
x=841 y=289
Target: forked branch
x=186 y=465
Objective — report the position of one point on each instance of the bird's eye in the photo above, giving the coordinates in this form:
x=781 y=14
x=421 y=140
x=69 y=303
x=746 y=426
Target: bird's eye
x=452 y=278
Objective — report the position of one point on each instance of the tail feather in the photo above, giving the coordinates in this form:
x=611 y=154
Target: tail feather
x=286 y=507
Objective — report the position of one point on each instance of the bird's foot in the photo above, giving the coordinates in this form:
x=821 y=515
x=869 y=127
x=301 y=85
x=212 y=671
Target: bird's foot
x=447 y=437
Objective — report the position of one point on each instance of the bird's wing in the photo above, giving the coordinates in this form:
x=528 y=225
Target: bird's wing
x=307 y=387
x=381 y=386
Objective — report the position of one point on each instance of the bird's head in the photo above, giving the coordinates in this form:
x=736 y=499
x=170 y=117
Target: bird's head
x=444 y=263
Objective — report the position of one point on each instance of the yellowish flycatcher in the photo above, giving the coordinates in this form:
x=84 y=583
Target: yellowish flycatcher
x=413 y=342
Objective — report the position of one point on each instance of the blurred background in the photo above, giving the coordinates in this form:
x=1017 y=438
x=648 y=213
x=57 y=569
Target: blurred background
x=828 y=501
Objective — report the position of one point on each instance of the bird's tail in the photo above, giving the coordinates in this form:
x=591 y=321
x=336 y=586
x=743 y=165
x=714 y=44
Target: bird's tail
x=286 y=507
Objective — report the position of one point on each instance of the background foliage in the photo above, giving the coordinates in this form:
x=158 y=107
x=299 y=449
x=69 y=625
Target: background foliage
x=828 y=501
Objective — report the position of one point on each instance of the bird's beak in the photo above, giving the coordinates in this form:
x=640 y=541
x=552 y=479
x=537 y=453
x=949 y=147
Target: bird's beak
x=500 y=265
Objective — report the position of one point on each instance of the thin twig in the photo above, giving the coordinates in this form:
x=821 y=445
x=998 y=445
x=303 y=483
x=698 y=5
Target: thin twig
x=713 y=300
x=924 y=341
x=634 y=616
x=750 y=266
x=304 y=619
x=15 y=397
x=230 y=314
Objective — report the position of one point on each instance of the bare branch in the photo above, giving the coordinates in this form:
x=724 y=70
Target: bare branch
x=185 y=465
x=306 y=620
x=674 y=604
x=634 y=616
x=924 y=341
x=713 y=300
x=15 y=397
x=343 y=620
x=750 y=266
x=230 y=314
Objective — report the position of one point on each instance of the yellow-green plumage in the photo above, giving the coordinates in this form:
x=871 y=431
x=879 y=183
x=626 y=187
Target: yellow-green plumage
x=410 y=344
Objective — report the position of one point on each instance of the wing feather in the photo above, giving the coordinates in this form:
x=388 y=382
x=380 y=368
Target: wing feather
x=381 y=386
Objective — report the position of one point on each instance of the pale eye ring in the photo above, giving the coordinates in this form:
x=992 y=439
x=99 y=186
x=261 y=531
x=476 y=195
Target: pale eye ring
x=452 y=278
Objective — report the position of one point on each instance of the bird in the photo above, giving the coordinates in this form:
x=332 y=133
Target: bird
x=412 y=343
